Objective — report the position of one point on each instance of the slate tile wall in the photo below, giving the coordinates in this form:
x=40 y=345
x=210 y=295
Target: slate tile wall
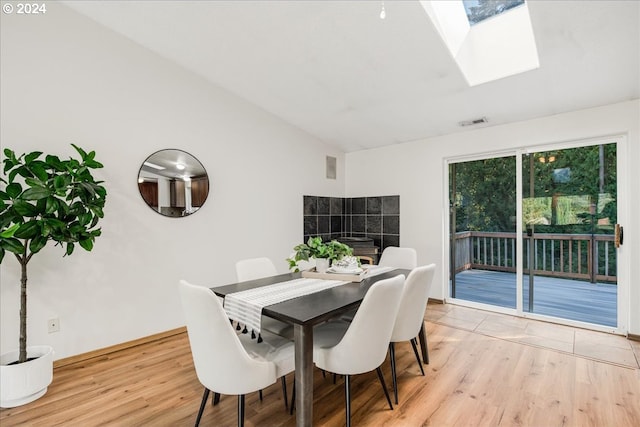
x=333 y=217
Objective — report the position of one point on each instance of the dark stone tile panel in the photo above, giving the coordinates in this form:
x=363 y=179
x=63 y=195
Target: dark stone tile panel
x=374 y=224
x=310 y=205
x=358 y=224
x=336 y=206
x=391 y=205
x=310 y=225
x=324 y=224
x=324 y=205
x=374 y=205
x=391 y=224
x=358 y=205
x=336 y=224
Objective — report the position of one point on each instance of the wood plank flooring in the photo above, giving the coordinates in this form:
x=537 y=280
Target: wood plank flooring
x=473 y=380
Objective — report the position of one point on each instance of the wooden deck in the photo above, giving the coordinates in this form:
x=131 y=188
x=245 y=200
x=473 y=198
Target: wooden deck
x=563 y=298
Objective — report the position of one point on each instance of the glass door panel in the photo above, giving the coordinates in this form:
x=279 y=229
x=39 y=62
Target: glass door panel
x=483 y=199
x=569 y=212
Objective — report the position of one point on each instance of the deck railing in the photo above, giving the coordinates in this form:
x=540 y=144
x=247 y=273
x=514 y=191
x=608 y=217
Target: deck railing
x=574 y=256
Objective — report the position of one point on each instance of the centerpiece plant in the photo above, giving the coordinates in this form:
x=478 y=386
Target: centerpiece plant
x=47 y=200
x=316 y=248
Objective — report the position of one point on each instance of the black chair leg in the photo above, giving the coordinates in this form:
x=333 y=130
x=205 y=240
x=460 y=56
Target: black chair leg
x=347 y=399
x=241 y=410
x=215 y=399
x=284 y=392
x=384 y=386
x=260 y=393
x=392 y=356
x=414 y=344
x=205 y=396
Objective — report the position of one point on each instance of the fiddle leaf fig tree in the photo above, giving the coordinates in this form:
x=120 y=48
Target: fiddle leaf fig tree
x=47 y=200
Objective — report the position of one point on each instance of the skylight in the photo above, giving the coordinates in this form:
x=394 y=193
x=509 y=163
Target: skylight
x=479 y=10
x=501 y=47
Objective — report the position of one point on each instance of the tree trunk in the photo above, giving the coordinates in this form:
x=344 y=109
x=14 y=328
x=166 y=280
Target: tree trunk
x=22 y=356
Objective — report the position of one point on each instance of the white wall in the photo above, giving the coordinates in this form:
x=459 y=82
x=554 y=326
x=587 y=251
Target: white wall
x=64 y=80
x=415 y=171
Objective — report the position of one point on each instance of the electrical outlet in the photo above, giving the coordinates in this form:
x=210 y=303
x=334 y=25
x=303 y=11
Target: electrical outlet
x=54 y=325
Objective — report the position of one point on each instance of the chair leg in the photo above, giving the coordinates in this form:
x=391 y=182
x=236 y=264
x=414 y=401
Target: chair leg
x=241 y=410
x=415 y=351
x=215 y=399
x=284 y=392
x=392 y=356
x=205 y=396
x=260 y=393
x=347 y=399
x=384 y=386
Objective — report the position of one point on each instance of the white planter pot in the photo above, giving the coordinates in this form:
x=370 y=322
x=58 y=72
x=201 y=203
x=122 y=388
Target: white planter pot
x=25 y=382
x=322 y=264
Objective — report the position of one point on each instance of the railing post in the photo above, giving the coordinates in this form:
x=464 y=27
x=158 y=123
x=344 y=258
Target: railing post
x=593 y=258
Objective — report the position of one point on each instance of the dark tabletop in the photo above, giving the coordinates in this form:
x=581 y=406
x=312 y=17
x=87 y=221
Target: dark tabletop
x=313 y=308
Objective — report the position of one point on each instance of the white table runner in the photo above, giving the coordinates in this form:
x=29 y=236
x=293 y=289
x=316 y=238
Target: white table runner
x=246 y=306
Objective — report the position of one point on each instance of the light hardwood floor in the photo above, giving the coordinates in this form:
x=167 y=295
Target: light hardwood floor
x=482 y=373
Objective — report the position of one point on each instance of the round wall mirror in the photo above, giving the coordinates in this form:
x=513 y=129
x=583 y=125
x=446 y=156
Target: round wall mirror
x=173 y=183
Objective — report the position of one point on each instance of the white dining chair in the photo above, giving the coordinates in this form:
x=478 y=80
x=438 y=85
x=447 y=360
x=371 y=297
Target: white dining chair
x=360 y=346
x=257 y=268
x=410 y=318
x=226 y=362
x=392 y=256
x=397 y=257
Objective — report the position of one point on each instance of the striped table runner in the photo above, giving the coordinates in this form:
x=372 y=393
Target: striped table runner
x=246 y=306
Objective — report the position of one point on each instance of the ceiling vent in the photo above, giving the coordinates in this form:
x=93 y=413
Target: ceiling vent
x=473 y=122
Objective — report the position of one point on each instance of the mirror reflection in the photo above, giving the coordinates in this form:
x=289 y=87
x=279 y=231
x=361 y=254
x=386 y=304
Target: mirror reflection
x=173 y=183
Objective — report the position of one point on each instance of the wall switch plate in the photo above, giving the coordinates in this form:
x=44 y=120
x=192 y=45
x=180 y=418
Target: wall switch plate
x=53 y=325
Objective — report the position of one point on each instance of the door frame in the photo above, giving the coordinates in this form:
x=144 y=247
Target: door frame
x=623 y=263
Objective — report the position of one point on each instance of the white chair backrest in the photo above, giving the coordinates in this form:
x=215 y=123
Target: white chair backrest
x=364 y=346
x=393 y=256
x=413 y=303
x=255 y=268
x=221 y=362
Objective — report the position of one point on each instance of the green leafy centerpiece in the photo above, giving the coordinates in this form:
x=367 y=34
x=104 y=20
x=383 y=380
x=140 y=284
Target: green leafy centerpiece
x=316 y=248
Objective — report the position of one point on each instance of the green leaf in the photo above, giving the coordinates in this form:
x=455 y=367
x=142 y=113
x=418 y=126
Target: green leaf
x=12 y=245
x=32 y=156
x=33 y=182
x=52 y=205
x=36 y=193
x=86 y=244
x=94 y=165
x=70 y=247
x=14 y=190
x=25 y=209
x=9 y=232
x=55 y=163
x=39 y=170
x=1 y=254
x=37 y=243
x=60 y=182
x=28 y=230
x=80 y=151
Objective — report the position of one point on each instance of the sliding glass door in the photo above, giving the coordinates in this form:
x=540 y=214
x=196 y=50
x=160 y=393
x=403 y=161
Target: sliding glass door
x=569 y=211
x=483 y=231
x=564 y=201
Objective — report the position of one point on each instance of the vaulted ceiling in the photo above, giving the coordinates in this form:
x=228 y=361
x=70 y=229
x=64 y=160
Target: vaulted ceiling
x=353 y=80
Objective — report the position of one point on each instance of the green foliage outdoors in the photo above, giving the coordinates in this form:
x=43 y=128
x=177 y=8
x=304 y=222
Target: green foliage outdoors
x=47 y=200
x=575 y=190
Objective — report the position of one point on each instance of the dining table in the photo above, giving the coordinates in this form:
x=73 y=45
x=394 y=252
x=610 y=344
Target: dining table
x=305 y=312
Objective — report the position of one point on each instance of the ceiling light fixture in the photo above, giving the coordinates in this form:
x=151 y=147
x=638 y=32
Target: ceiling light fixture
x=180 y=166
x=153 y=165
x=383 y=13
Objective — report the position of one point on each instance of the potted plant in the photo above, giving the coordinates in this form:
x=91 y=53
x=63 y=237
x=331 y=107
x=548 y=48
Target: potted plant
x=323 y=253
x=42 y=201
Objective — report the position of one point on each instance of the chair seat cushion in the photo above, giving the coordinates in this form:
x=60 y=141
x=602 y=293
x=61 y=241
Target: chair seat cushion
x=273 y=348
x=277 y=327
